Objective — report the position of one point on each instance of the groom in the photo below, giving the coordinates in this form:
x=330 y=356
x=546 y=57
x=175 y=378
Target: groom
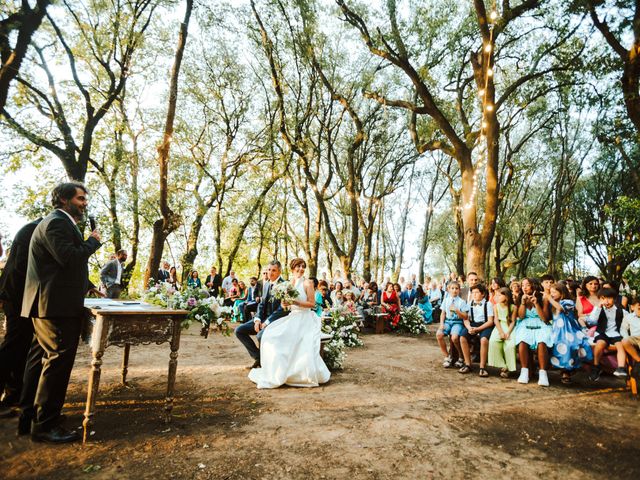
x=269 y=310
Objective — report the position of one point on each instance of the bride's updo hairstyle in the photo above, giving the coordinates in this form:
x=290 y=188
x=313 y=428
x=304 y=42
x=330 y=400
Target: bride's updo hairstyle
x=296 y=262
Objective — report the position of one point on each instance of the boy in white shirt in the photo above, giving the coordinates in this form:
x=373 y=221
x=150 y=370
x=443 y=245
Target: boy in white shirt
x=454 y=312
x=608 y=319
x=478 y=324
x=630 y=330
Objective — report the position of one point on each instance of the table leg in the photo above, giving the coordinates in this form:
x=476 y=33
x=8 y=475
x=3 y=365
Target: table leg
x=125 y=362
x=98 y=346
x=173 y=366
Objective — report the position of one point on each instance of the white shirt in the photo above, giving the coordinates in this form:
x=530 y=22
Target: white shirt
x=610 y=313
x=119 y=275
x=478 y=312
x=458 y=302
x=227 y=283
x=630 y=325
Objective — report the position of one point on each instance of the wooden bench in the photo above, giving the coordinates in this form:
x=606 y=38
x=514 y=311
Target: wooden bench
x=380 y=322
x=324 y=339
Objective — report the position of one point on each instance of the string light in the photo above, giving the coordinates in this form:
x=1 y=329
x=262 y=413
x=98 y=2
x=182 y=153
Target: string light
x=487 y=107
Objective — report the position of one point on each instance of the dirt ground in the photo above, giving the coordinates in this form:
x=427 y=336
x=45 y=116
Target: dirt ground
x=393 y=412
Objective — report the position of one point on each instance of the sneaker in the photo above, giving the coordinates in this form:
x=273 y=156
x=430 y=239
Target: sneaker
x=524 y=375
x=543 y=379
x=594 y=376
x=620 y=372
x=447 y=362
x=459 y=363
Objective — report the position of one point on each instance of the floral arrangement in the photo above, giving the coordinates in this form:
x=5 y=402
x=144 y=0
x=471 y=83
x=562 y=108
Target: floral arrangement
x=334 y=353
x=226 y=313
x=411 y=321
x=202 y=308
x=285 y=292
x=343 y=324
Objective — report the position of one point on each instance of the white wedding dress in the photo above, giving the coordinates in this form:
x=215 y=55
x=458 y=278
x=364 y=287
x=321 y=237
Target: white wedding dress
x=290 y=350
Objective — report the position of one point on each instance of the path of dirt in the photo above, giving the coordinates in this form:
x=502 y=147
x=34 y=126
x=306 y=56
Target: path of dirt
x=393 y=412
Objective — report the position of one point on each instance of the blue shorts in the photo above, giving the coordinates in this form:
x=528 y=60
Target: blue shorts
x=454 y=327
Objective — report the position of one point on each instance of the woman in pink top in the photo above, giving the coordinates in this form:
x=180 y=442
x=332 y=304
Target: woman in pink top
x=588 y=298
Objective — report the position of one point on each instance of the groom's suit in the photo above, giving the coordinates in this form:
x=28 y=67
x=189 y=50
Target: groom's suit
x=269 y=310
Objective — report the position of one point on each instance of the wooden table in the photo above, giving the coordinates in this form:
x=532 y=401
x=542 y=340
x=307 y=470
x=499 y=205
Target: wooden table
x=126 y=323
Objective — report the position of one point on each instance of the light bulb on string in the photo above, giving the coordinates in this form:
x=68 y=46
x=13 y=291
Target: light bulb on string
x=487 y=48
x=493 y=16
x=489 y=107
x=490 y=72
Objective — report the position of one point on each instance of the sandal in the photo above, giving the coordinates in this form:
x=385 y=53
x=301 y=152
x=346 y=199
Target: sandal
x=566 y=379
x=483 y=373
x=465 y=369
x=504 y=373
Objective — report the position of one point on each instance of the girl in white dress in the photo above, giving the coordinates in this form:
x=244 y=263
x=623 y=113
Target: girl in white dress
x=290 y=346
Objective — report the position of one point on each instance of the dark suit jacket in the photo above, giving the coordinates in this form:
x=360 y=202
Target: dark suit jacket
x=217 y=282
x=15 y=271
x=57 y=271
x=270 y=306
x=163 y=275
x=407 y=297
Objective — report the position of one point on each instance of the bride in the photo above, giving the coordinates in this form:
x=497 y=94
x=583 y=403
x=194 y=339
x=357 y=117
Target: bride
x=290 y=347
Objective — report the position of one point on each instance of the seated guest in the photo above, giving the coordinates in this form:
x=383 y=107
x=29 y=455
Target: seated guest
x=398 y=289
x=243 y=292
x=502 y=349
x=608 y=320
x=478 y=325
x=422 y=300
x=173 y=278
x=163 y=273
x=323 y=289
x=452 y=317
x=630 y=330
x=533 y=333
x=408 y=296
x=337 y=288
x=350 y=302
x=496 y=284
x=319 y=300
x=390 y=303
x=253 y=299
x=193 y=281
x=348 y=285
x=338 y=300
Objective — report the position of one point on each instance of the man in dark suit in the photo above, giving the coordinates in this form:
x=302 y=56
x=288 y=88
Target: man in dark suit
x=253 y=299
x=213 y=282
x=56 y=283
x=269 y=310
x=111 y=274
x=408 y=295
x=163 y=273
x=19 y=331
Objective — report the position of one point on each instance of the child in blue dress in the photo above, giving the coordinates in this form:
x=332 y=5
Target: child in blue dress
x=533 y=331
x=570 y=345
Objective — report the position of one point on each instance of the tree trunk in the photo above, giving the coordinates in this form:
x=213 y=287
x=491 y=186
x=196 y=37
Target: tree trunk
x=169 y=222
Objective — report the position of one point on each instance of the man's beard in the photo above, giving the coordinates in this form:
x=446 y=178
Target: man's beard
x=76 y=213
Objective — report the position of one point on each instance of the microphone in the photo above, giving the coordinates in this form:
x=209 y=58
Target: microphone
x=92 y=222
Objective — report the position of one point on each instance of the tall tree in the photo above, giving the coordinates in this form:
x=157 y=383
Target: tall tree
x=170 y=221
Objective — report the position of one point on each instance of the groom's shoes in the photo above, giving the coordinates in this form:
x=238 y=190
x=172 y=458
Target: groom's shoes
x=256 y=364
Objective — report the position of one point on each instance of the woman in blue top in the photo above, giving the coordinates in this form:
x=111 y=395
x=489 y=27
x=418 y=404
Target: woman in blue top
x=193 y=280
x=424 y=303
x=533 y=331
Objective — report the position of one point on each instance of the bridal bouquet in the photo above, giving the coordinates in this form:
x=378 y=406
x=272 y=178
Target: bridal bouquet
x=285 y=292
